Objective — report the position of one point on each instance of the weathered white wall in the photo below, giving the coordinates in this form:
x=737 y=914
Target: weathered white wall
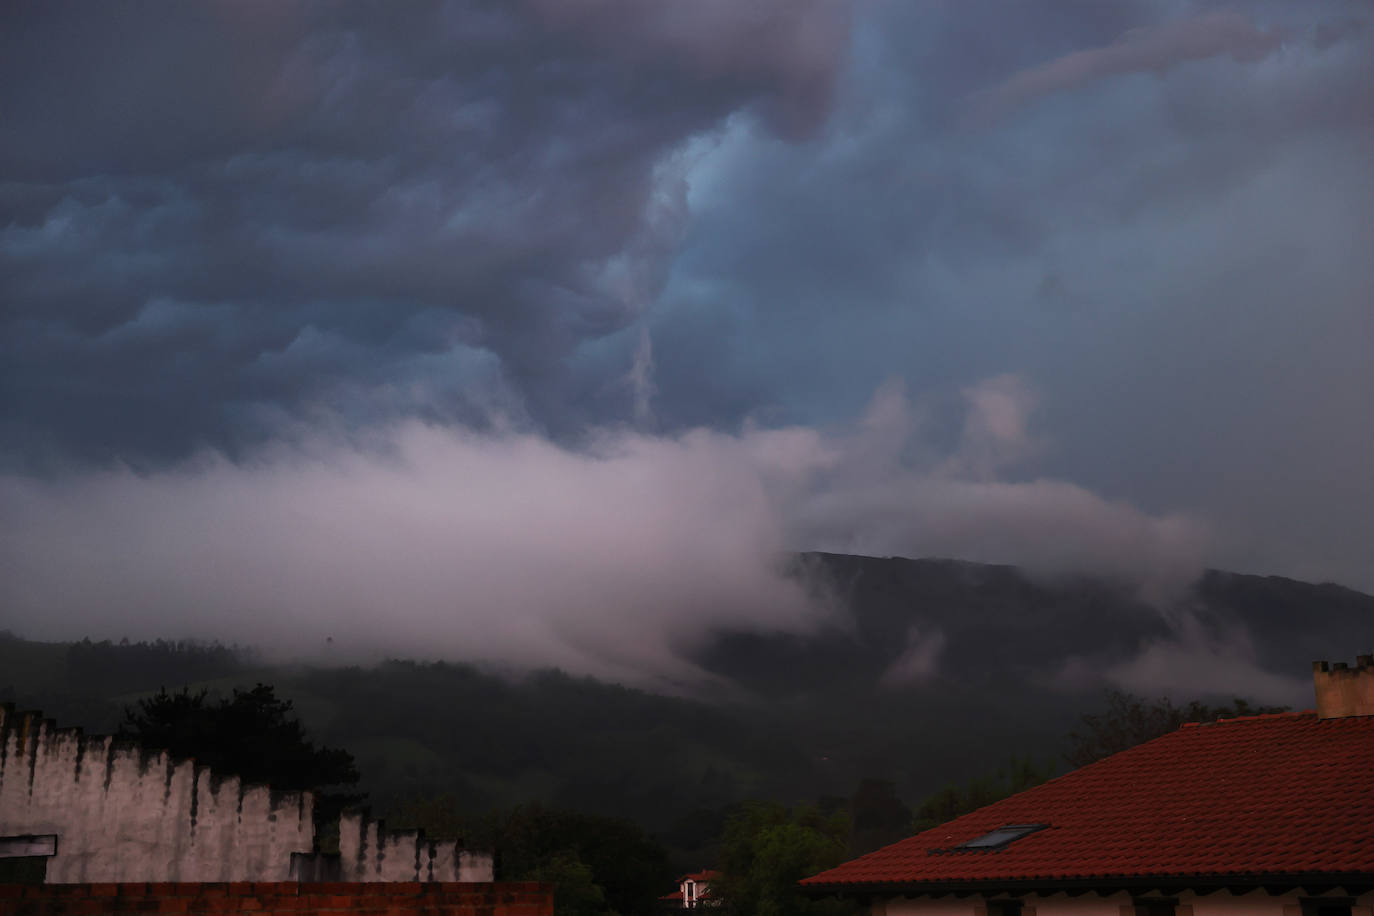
x=921 y=906
x=1258 y=903
x=1221 y=903
x=367 y=853
x=125 y=814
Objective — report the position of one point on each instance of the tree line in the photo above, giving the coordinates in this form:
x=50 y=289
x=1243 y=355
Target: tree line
x=610 y=866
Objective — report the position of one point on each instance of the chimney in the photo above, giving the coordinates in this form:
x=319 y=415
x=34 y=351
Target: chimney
x=1344 y=691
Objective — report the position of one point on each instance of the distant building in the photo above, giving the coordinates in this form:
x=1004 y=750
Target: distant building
x=693 y=891
x=1268 y=814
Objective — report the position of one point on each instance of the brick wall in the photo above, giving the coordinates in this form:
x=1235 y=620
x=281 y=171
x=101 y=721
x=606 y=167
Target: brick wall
x=1342 y=690
x=280 y=899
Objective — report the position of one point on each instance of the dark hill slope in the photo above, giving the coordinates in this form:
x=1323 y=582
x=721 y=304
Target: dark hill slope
x=996 y=625
x=984 y=650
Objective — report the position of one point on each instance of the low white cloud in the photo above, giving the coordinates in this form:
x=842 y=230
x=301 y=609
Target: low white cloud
x=1195 y=664
x=432 y=542
x=611 y=559
x=919 y=661
x=882 y=493
x=997 y=431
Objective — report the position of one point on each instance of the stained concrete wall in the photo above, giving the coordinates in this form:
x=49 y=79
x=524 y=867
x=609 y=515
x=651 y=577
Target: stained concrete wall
x=123 y=813
x=368 y=852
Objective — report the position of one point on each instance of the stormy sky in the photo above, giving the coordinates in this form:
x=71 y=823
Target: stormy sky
x=542 y=329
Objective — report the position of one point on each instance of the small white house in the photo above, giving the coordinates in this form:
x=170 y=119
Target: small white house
x=693 y=891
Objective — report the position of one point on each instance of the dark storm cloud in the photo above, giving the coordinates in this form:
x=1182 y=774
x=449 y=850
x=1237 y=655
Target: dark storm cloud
x=312 y=199
x=793 y=49
x=431 y=275
x=1175 y=256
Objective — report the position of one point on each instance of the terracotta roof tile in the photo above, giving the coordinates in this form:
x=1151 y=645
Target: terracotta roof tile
x=1276 y=794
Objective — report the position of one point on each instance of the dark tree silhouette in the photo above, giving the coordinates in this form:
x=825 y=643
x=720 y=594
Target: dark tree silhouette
x=133 y=667
x=599 y=865
x=767 y=849
x=879 y=816
x=1016 y=775
x=253 y=734
x=1130 y=720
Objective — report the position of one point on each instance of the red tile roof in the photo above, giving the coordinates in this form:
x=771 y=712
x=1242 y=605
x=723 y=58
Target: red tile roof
x=1286 y=794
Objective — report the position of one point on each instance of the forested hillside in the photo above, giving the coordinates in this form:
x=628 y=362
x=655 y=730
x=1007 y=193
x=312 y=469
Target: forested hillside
x=807 y=718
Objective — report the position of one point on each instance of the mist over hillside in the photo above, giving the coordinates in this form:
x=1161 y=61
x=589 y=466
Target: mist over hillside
x=932 y=671
x=914 y=624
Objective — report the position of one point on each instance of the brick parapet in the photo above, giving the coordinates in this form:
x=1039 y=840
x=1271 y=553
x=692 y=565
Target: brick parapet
x=1344 y=691
x=280 y=898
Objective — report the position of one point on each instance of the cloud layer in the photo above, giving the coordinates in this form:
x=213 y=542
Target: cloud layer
x=612 y=559
x=332 y=254
x=424 y=211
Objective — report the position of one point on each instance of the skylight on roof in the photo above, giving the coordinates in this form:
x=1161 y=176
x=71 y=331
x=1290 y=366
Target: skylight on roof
x=1001 y=836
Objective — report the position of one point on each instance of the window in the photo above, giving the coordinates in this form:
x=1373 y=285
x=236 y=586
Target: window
x=1004 y=908
x=1001 y=836
x=1327 y=906
x=23 y=869
x=24 y=859
x=1155 y=906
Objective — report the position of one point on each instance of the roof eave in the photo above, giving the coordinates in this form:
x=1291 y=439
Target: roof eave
x=1361 y=880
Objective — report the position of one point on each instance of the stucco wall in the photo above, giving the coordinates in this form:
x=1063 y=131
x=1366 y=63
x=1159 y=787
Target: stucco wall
x=369 y=853
x=123 y=813
x=1258 y=903
x=1221 y=903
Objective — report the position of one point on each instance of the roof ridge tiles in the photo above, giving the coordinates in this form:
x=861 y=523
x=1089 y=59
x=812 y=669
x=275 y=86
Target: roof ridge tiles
x=1286 y=714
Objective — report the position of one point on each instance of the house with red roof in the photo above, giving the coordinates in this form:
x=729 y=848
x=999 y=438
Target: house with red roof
x=1267 y=815
x=693 y=891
